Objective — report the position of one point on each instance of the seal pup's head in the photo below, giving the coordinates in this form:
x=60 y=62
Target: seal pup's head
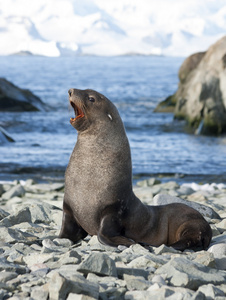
x=92 y=109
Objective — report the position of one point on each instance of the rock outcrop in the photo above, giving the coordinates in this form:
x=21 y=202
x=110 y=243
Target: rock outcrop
x=201 y=95
x=12 y=98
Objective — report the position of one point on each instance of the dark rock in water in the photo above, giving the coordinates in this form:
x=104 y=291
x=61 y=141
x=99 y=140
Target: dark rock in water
x=168 y=105
x=201 y=95
x=13 y=98
x=189 y=64
x=5 y=136
x=23 y=53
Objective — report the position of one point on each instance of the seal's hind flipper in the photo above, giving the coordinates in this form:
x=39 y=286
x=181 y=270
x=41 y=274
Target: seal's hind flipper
x=110 y=232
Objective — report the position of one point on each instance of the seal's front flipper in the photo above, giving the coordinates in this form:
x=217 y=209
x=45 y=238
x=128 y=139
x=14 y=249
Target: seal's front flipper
x=110 y=233
x=71 y=230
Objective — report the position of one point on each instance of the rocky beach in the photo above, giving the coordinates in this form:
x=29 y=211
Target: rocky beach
x=35 y=136
x=36 y=264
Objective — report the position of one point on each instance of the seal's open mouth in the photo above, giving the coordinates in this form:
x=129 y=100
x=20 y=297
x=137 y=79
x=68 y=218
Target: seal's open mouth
x=78 y=112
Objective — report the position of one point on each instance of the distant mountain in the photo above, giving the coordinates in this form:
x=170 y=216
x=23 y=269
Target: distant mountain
x=99 y=27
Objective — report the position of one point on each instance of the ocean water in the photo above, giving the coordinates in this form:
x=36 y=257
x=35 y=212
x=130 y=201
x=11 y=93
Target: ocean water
x=159 y=144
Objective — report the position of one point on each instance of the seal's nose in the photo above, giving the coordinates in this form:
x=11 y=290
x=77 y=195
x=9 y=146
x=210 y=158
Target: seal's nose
x=70 y=92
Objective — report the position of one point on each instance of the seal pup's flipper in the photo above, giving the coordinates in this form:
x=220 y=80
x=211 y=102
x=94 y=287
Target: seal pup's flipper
x=110 y=232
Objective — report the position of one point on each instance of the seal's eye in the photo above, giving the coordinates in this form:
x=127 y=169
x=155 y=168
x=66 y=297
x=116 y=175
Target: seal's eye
x=91 y=99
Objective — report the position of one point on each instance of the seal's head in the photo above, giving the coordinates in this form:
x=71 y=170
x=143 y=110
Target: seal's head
x=91 y=108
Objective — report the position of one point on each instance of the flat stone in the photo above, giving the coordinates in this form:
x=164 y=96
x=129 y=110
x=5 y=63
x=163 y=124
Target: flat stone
x=219 y=252
x=31 y=283
x=39 y=269
x=34 y=229
x=148 y=182
x=40 y=213
x=40 y=292
x=49 y=244
x=98 y=263
x=211 y=291
x=149 y=260
x=73 y=296
x=60 y=287
x=170 y=185
x=29 y=182
x=159 y=280
x=44 y=187
x=106 y=281
x=203 y=257
x=9 y=235
x=6 y=276
x=69 y=258
x=136 y=249
x=15 y=256
x=222 y=225
x=137 y=284
x=156 y=293
x=113 y=293
x=95 y=245
x=3 y=214
x=164 y=249
x=204 y=210
x=215 y=231
x=10 y=267
x=13 y=204
x=173 y=193
x=185 y=273
x=218 y=239
x=199 y=196
x=197 y=296
x=67 y=271
x=122 y=271
x=23 y=215
x=185 y=190
x=63 y=242
x=37 y=258
x=17 y=190
x=145 y=194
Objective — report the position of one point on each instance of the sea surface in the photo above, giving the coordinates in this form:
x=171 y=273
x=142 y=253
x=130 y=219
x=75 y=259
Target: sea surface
x=160 y=146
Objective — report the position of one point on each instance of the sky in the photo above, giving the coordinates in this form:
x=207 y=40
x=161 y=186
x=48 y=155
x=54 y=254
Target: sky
x=101 y=27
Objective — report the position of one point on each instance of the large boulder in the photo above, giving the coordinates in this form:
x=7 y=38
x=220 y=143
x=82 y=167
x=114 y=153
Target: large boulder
x=12 y=98
x=201 y=95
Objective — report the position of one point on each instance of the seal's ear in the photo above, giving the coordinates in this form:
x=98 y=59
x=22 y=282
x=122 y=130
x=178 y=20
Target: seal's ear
x=110 y=117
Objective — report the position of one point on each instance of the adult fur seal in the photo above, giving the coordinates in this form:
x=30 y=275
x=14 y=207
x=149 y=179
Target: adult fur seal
x=99 y=199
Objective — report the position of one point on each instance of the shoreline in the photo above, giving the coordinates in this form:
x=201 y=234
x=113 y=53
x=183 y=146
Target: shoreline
x=45 y=175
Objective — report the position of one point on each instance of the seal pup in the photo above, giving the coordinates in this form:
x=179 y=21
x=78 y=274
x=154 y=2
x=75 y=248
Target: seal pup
x=99 y=199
